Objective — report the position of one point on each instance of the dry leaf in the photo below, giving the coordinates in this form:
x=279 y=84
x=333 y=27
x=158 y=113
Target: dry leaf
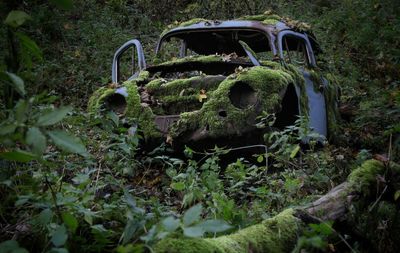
x=202 y=95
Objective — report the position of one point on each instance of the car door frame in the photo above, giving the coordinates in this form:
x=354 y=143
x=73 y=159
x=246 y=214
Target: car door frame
x=316 y=99
x=141 y=61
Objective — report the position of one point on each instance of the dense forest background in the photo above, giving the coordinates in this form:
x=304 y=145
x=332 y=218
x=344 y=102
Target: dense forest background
x=100 y=192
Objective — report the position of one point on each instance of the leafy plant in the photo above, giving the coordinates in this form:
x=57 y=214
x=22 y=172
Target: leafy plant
x=190 y=224
x=315 y=238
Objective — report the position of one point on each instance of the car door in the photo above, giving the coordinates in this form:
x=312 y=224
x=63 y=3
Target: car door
x=295 y=49
x=128 y=61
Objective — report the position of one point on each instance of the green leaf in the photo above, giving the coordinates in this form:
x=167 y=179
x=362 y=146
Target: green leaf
x=17 y=82
x=18 y=156
x=16 y=18
x=11 y=246
x=67 y=142
x=70 y=221
x=322 y=228
x=130 y=229
x=396 y=195
x=129 y=199
x=150 y=235
x=179 y=186
x=81 y=179
x=29 y=46
x=6 y=129
x=63 y=4
x=214 y=226
x=54 y=116
x=193 y=231
x=192 y=215
x=114 y=117
x=58 y=250
x=36 y=140
x=294 y=151
x=88 y=217
x=60 y=236
x=21 y=111
x=260 y=158
x=45 y=216
x=170 y=223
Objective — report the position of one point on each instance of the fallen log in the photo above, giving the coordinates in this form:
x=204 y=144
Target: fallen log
x=347 y=202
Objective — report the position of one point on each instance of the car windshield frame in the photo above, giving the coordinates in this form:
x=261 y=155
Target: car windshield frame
x=234 y=26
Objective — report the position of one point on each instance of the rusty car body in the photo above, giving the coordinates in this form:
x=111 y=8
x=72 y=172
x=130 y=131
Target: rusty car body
x=223 y=76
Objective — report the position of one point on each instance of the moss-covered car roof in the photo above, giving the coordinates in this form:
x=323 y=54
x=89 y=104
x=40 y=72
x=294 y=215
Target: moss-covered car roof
x=267 y=20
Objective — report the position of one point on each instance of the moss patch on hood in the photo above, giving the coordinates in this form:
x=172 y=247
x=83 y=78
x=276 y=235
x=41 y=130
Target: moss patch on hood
x=268 y=85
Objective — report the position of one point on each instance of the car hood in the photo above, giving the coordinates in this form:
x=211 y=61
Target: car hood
x=200 y=98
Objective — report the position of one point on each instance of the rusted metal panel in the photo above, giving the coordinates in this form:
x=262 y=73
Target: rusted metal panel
x=164 y=122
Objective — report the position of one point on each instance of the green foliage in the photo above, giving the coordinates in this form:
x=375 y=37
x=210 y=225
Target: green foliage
x=16 y=18
x=28 y=124
x=55 y=197
x=11 y=246
x=190 y=224
x=315 y=238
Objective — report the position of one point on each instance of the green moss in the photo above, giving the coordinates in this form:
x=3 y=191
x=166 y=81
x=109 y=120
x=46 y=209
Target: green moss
x=331 y=99
x=259 y=17
x=247 y=47
x=134 y=110
x=176 y=104
x=297 y=25
x=264 y=18
x=133 y=107
x=269 y=18
x=277 y=234
x=161 y=87
x=364 y=176
x=97 y=99
x=267 y=81
x=269 y=21
x=186 y=246
x=143 y=114
x=143 y=76
x=192 y=22
x=300 y=83
x=155 y=84
x=183 y=24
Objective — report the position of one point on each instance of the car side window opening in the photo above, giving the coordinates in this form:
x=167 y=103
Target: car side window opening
x=295 y=51
x=128 y=64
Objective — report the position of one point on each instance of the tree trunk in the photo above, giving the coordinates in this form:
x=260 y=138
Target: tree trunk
x=280 y=233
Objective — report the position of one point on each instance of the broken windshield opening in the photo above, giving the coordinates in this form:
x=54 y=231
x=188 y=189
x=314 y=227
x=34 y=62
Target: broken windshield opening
x=214 y=42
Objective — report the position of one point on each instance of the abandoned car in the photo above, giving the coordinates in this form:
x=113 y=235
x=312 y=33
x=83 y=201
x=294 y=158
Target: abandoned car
x=213 y=80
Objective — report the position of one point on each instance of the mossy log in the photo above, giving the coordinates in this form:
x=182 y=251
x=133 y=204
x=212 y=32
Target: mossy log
x=280 y=233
